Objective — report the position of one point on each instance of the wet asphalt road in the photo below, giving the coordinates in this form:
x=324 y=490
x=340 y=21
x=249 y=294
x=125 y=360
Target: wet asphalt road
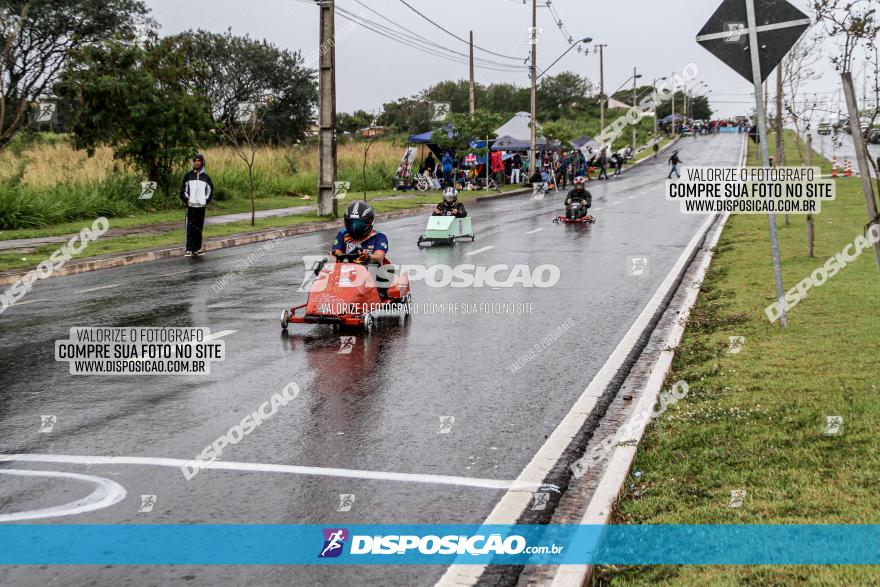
x=376 y=409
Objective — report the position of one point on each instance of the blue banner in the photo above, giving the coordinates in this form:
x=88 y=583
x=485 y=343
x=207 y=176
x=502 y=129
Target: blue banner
x=169 y=544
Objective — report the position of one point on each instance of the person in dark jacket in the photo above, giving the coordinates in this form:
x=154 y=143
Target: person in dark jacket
x=450 y=206
x=675 y=162
x=196 y=192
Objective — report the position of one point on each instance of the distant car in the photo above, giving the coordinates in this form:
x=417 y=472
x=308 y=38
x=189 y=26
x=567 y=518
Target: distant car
x=874 y=136
x=824 y=128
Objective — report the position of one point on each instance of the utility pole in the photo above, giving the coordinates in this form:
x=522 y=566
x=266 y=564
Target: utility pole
x=534 y=71
x=674 y=90
x=765 y=152
x=472 y=103
x=635 y=76
x=601 y=87
x=327 y=112
x=780 y=140
x=811 y=227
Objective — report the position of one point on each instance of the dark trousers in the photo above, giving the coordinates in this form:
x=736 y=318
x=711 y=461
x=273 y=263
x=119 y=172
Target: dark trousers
x=603 y=171
x=195 y=222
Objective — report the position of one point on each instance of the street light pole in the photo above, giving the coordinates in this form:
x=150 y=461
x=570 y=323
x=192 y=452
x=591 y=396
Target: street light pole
x=601 y=87
x=533 y=140
x=327 y=113
x=635 y=77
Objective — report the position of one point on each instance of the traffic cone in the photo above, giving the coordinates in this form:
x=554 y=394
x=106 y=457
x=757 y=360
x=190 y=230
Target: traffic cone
x=834 y=166
x=847 y=169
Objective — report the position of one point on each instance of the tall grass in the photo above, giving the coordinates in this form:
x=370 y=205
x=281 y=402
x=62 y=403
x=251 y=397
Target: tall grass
x=49 y=182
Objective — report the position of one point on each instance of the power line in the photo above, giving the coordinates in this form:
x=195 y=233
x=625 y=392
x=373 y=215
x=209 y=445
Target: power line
x=450 y=33
x=407 y=33
x=421 y=44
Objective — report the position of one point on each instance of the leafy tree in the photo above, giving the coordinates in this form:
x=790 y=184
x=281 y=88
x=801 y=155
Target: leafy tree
x=469 y=128
x=559 y=95
x=407 y=115
x=229 y=69
x=698 y=107
x=137 y=98
x=505 y=99
x=353 y=122
x=558 y=132
x=36 y=37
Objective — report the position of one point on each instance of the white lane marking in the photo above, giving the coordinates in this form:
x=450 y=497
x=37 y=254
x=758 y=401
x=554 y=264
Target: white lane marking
x=631 y=197
x=175 y=273
x=616 y=202
x=483 y=250
x=106 y=493
x=514 y=502
x=272 y=468
x=534 y=231
x=30 y=302
x=91 y=289
x=220 y=334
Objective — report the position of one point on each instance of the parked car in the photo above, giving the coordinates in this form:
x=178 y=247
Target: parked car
x=824 y=128
x=874 y=136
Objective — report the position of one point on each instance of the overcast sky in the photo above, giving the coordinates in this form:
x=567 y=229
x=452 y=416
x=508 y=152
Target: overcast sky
x=656 y=37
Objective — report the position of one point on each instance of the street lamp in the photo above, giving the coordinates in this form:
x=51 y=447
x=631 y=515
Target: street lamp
x=534 y=71
x=575 y=44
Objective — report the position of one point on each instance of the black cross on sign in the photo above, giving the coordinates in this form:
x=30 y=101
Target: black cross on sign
x=726 y=35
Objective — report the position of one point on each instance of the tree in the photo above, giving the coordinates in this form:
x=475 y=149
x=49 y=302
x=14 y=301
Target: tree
x=558 y=132
x=852 y=24
x=137 y=98
x=407 y=115
x=353 y=122
x=244 y=134
x=559 y=94
x=36 y=38
x=466 y=129
x=229 y=70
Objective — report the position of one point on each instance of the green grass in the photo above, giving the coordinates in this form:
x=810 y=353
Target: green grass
x=755 y=420
x=121 y=244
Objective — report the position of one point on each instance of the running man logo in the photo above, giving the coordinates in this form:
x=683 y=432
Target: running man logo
x=833 y=425
x=340 y=189
x=638 y=266
x=736 y=498
x=540 y=501
x=446 y=423
x=346 y=501
x=148 y=502
x=148 y=188
x=334 y=542
x=346 y=345
x=538 y=190
x=47 y=423
x=245 y=112
x=736 y=344
x=46 y=112
x=441 y=111
x=535 y=34
x=736 y=32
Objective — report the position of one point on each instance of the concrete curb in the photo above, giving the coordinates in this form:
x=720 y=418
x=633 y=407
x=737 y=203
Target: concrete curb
x=235 y=240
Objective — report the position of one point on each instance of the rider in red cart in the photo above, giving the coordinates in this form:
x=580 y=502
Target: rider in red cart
x=581 y=195
x=358 y=237
x=368 y=246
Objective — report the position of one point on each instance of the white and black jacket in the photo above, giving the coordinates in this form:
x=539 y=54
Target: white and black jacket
x=197 y=189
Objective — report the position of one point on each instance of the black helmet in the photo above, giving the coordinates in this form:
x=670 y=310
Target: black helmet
x=359 y=219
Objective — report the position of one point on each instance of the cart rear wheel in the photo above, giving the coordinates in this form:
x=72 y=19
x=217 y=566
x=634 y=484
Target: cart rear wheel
x=285 y=319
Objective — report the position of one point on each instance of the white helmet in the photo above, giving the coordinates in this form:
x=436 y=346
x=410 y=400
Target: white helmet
x=450 y=196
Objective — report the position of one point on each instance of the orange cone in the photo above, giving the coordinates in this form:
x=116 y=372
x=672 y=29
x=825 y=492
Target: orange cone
x=834 y=166
x=847 y=169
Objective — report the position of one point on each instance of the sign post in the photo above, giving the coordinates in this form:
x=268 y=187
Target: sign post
x=769 y=28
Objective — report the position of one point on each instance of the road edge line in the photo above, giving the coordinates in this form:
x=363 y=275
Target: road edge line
x=605 y=497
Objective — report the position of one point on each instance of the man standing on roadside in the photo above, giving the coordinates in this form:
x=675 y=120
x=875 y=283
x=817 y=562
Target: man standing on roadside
x=196 y=191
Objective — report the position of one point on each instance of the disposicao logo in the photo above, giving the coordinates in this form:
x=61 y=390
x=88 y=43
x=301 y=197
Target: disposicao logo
x=334 y=541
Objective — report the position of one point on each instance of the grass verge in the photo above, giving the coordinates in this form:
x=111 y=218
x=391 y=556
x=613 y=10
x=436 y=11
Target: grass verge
x=121 y=244
x=755 y=421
